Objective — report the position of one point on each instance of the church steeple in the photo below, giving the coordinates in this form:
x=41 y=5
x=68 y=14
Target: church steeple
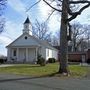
x=27 y=21
x=27 y=26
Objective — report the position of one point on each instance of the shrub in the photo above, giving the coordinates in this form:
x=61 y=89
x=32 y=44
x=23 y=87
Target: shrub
x=41 y=60
x=88 y=61
x=2 y=60
x=51 y=60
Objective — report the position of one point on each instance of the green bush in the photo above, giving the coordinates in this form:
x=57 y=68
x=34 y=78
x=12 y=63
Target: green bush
x=88 y=61
x=51 y=60
x=2 y=60
x=41 y=60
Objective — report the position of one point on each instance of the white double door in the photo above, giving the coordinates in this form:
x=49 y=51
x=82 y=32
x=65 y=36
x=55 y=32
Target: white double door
x=27 y=54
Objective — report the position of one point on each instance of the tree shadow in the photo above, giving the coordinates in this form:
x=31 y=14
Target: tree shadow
x=16 y=79
x=27 y=78
x=32 y=83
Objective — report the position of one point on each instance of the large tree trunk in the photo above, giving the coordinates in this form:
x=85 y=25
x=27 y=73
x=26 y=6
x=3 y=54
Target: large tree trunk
x=64 y=23
x=63 y=39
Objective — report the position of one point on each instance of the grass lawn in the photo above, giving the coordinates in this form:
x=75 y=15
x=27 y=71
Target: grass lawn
x=79 y=71
x=49 y=69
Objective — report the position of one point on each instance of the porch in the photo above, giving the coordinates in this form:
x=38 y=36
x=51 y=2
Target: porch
x=23 y=54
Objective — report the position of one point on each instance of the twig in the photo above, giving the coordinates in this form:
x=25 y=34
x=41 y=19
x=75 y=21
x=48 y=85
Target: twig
x=33 y=5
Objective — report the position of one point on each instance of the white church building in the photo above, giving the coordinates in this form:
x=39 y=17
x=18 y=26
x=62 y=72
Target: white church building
x=27 y=47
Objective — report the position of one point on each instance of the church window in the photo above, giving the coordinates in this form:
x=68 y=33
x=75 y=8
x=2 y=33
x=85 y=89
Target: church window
x=14 y=53
x=25 y=37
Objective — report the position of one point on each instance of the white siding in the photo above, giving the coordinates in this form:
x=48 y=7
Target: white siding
x=48 y=53
x=51 y=54
x=9 y=54
x=43 y=52
x=25 y=42
x=55 y=54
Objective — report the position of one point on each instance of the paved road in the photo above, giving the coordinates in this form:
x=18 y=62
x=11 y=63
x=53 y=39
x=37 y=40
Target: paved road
x=16 y=82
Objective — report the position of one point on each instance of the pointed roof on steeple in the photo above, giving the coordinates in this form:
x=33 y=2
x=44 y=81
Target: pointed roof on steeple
x=27 y=20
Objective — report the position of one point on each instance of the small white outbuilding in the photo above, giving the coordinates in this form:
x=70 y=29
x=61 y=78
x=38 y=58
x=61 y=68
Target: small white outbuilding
x=27 y=47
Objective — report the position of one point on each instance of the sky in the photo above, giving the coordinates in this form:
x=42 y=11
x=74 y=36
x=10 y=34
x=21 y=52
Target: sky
x=15 y=15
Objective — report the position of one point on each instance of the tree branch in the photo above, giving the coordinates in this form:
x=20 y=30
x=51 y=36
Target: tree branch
x=77 y=2
x=75 y=14
x=52 y=6
x=50 y=15
x=33 y=5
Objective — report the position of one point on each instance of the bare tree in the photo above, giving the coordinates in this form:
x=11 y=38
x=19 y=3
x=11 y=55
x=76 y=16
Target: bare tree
x=82 y=38
x=87 y=34
x=55 y=39
x=41 y=31
x=68 y=11
x=2 y=20
x=78 y=33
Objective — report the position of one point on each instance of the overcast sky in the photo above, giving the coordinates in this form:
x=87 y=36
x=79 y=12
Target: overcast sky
x=15 y=14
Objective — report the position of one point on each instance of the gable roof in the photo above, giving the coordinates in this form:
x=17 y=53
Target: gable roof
x=21 y=41
x=30 y=41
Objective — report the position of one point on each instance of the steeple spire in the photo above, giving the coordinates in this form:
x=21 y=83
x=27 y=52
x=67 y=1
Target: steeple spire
x=27 y=26
x=27 y=21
